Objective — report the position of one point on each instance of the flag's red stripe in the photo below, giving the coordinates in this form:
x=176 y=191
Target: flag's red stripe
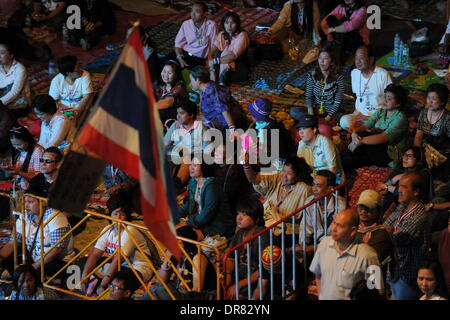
x=113 y=153
x=160 y=229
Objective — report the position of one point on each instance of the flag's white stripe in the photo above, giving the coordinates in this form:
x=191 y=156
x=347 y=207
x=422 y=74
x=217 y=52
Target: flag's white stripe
x=132 y=60
x=116 y=130
x=147 y=184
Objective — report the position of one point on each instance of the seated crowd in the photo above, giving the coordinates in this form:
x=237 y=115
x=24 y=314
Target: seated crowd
x=401 y=225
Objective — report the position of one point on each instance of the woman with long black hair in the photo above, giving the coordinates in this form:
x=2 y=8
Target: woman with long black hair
x=25 y=154
x=27 y=285
x=229 y=51
x=325 y=91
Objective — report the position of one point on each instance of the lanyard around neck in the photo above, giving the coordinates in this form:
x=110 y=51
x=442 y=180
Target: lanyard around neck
x=365 y=86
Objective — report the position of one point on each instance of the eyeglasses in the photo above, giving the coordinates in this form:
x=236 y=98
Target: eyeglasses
x=48 y=161
x=115 y=287
x=409 y=156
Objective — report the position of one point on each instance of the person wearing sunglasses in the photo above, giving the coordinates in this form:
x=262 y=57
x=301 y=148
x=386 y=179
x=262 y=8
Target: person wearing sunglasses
x=50 y=162
x=26 y=154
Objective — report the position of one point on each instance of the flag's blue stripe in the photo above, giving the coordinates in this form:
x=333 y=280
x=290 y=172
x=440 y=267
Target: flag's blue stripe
x=123 y=99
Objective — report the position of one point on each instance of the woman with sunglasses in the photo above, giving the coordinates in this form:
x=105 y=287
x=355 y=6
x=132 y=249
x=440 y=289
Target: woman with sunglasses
x=25 y=154
x=412 y=160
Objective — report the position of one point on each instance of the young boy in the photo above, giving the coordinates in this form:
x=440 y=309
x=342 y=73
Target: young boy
x=250 y=220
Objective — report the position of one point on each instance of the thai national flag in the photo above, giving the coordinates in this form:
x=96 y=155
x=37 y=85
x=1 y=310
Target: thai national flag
x=125 y=130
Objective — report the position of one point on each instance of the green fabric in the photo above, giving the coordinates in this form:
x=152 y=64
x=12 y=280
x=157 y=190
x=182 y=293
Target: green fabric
x=186 y=80
x=215 y=216
x=395 y=127
x=412 y=81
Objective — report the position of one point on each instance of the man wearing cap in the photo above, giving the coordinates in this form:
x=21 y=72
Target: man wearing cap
x=265 y=127
x=370 y=231
x=341 y=260
x=318 y=151
x=410 y=229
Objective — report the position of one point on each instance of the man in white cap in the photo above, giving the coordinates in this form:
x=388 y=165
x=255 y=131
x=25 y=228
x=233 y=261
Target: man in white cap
x=370 y=231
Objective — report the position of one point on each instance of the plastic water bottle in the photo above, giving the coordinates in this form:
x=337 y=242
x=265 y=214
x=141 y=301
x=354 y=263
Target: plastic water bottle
x=404 y=58
x=51 y=68
x=396 y=48
x=65 y=35
x=395 y=56
x=400 y=53
x=406 y=53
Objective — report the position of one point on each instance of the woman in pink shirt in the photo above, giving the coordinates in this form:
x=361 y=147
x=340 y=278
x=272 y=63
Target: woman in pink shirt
x=26 y=154
x=346 y=25
x=229 y=51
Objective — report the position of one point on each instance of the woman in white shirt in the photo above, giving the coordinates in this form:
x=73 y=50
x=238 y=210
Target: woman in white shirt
x=55 y=126
x=14 y=90
x=72 y=87
x=430 y=281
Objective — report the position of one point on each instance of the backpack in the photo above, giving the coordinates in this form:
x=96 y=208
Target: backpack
x=154 y=254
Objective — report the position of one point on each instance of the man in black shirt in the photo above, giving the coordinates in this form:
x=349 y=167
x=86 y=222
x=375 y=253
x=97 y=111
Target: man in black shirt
x=50 y=163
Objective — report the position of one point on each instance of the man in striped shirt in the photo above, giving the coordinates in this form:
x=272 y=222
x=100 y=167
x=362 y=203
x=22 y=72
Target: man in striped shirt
x=409 y=226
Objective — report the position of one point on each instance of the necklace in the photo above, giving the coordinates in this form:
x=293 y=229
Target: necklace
x=430 y=117
x=321 y=110
x=198 y=31
x=365 y=86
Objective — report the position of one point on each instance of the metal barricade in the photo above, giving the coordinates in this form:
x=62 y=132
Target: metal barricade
x=122 y=226
x=285 y=253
